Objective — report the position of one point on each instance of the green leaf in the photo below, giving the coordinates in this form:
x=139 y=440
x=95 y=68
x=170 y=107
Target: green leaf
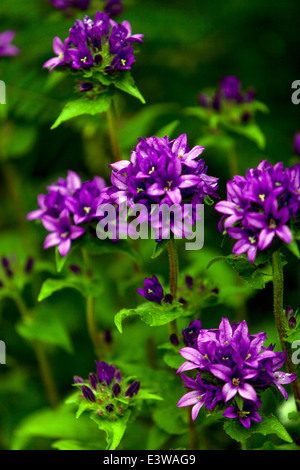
x=84 y=105
x=88 y=287
x=293 y=248
x=126 y=83
x=251 y=131
x=151 y=313
x=167 y=130
x=268 y=425
x=55 y=424
x=257 y=275
x=114 y=429
x=68 y=444
x=45 y=326
x=159 y=247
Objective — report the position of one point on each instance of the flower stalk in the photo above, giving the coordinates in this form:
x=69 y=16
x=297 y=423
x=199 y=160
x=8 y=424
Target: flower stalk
x=112 y=134
x=278 y=289
x=174 y=273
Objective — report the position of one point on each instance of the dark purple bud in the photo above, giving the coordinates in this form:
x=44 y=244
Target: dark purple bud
x=289 y=312
x=1 y=284
x=78 y=380
x=5 y=262
x=109 y=407
x=116 y=389
x=203 y=100
x=246 y=116
x=215 y=290
x=216 y=102
x=75 y=269
x=118 y=376
x=174 y=339
x=168 y=299
x=132 y=389
x=29 y=265
x=105 y=372
x=88 y=394
x=230 y=86
x=250 y=95
x=93 y=380
x=182 y=301
x=107 y=337
x=189 y=281
x=296 y=144
x=85 y=86
x=292 y=323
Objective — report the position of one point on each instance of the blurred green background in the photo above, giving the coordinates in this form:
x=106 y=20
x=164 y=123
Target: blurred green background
x=188 y=46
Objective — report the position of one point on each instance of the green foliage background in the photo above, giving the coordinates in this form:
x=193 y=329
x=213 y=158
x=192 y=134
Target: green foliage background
x=188 y=46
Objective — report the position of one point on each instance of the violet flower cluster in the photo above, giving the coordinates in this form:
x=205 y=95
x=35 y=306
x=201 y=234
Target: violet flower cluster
x=228 y=92
x=6 y=47
x=233 y=368
x=100 y=44
x=68 y=204
x=106 y=392
x=162 y=172
x=110 y=7
x=261 y=207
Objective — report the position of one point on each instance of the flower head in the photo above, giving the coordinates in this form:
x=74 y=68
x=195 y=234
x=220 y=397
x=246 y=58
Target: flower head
x=106 y=392
x=164 y=174
x=68 y=203
x=152 y=290
x=101 y=45
x=261 y=207
x=6 y=48
x=233 y=367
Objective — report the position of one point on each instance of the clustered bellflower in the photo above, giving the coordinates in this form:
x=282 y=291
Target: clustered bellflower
x=261 y=207
x=6 y=48
x=106 y=392
x=111 y=7
x=161 y=172
x=228 y=92
x=100 y=45
x=232 y=369
x=68 y=204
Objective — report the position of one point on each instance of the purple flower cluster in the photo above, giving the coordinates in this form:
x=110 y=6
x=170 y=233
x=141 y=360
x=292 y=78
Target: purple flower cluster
x=6 y=48
x=100 y=44
x=233 y=367
x=68 y=204
x=161 y=172
x=106 y=392
x=229 y=91
x=111 y=7
x=261 y=207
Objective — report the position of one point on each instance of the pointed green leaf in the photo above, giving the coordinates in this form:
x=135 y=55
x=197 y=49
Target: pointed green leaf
x=84 y=105
x=126 y=83
x=114 y=429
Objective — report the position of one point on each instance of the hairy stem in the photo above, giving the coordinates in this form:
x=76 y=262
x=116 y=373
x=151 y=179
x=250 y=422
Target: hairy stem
x=113 y=134
x=44 y=366
x=278 y=287
x=94 y=334
x=174 y=272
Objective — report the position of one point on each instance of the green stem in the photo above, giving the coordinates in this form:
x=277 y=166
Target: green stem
x=113 y=134
x=44 y=367
x=174 y=273
x=278 y=287
x=90 y=314
x=92 y=327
